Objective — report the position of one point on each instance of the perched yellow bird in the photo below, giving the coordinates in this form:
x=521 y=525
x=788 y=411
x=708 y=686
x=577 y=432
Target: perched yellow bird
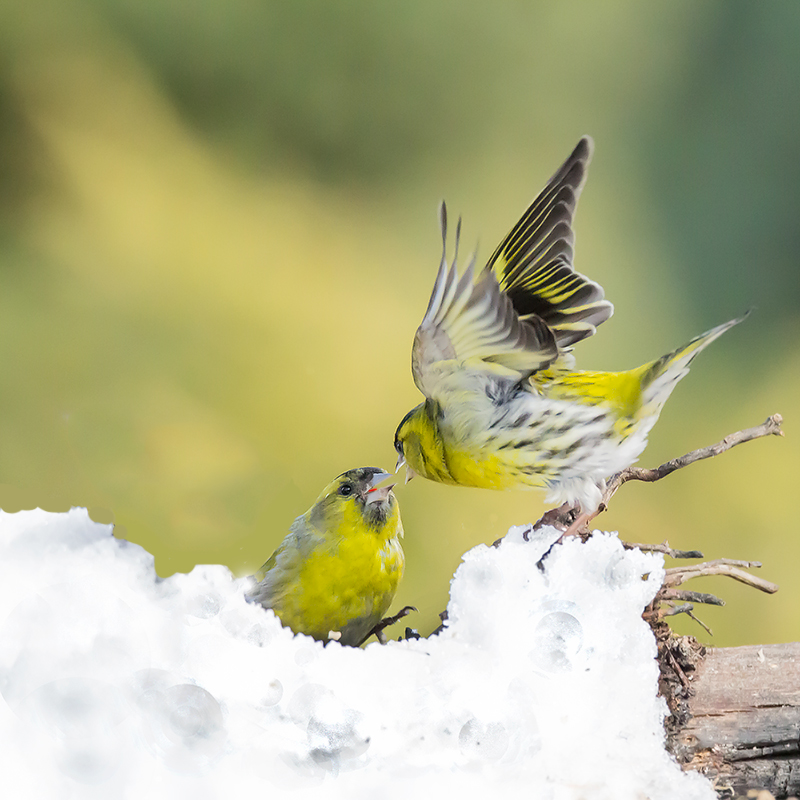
x=504 y=407
x=336 y=572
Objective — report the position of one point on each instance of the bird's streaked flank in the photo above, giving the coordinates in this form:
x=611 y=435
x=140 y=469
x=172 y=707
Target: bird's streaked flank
x=504 y=408
x=336 y=573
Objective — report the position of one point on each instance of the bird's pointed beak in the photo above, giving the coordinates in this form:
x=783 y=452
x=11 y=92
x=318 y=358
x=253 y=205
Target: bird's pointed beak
x=401 y=461
x=378 y=488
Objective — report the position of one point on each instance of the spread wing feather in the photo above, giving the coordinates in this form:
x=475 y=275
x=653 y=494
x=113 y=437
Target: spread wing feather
x=533 y=264
x=525 y=306
x=469 y=319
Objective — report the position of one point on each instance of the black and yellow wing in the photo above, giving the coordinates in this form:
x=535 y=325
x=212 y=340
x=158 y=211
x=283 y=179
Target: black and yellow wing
x=533 y=264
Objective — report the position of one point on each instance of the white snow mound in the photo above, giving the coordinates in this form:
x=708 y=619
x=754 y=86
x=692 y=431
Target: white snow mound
x=119 y=684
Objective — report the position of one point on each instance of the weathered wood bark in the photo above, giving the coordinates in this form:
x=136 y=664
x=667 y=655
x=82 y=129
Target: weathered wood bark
x=735 y=714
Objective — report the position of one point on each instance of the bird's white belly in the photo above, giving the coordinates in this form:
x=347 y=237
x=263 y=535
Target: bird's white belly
x=533 y=441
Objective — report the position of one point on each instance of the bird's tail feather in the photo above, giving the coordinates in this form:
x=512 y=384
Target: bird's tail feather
x=662 y=375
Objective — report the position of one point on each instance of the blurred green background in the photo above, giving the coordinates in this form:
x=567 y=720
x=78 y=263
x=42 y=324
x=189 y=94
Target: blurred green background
x=218 y=235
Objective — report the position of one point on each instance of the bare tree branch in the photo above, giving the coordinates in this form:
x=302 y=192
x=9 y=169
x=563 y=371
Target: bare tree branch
x=721 y=566
x=770 y=427
x=569 y=518
x=691 y=597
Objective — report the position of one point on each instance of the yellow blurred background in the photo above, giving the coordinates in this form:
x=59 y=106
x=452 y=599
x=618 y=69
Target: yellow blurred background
x=218 y=235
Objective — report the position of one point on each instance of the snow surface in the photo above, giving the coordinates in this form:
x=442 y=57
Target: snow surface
x=119 y=684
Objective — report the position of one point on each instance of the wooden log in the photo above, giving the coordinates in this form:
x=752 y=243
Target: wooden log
x=735 y=714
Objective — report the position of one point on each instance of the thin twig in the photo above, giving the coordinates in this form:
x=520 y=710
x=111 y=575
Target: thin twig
x=770 y=427
x=662 y=548
x=722 y=566
x=684 y=608
x=691 y=597
x=700 y=622
x=671 y=611
x=697 y=568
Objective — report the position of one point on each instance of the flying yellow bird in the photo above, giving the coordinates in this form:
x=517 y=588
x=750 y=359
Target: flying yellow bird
x=504 y=407
x=336 y=572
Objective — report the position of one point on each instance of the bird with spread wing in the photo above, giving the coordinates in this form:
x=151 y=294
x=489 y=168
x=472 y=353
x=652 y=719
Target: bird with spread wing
x=504 y=407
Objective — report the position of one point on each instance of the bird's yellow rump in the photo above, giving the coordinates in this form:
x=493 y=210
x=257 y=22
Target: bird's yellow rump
x=336 y=573
x=504 y=407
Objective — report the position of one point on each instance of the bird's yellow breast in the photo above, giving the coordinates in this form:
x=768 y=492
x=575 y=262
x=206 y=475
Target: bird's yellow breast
x=465 y=457
x=345 y=584
x=487 y=469
x=564 y=425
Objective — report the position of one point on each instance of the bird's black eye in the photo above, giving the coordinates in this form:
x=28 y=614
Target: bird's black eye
x=345 y=489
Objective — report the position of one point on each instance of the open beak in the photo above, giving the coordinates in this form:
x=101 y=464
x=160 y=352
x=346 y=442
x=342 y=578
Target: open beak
x=378 y=488
x=401 y=461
